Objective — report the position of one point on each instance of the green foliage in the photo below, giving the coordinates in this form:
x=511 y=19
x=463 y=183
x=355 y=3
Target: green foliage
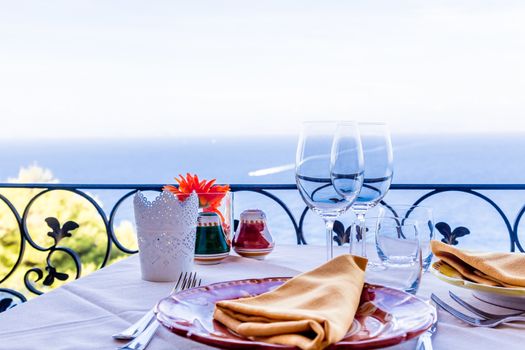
x=89 y=241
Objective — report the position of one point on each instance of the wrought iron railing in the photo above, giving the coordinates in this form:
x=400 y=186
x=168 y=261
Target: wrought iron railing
x=46 y=274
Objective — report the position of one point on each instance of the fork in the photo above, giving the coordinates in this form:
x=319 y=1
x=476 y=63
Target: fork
x=142 y=340
x=476 y=322
x=479 y=312
x=138 y=327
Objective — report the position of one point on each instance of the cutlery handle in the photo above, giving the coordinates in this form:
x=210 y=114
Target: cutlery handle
x=142 y=341
x=424 y=342
x=136 y=328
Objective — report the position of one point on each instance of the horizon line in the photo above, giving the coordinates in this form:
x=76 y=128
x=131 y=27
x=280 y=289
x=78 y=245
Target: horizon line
x=251 y=135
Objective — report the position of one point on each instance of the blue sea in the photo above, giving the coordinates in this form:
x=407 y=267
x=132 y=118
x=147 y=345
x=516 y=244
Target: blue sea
x=453 y=158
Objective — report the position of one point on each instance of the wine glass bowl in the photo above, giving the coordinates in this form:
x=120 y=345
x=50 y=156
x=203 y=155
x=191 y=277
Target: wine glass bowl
x=346 y=161
x=320 y=196
x=378 y=166
x=312 y=170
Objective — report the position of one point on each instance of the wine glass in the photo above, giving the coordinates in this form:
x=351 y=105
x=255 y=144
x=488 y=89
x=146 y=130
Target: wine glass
x=378 y=172
x=314 y=162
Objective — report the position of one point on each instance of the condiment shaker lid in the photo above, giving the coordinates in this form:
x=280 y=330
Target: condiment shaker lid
x=208 y=219
x=253 y=215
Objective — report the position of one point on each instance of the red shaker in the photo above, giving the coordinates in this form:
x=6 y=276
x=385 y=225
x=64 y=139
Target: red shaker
x=252 y=238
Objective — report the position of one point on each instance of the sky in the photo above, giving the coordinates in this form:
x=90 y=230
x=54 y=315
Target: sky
x=107 y=68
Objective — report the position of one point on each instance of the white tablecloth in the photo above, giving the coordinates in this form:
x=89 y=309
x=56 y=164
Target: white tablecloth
x=83 y=314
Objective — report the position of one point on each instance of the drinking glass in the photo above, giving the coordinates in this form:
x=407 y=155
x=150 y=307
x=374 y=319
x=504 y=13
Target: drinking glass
x=315 y=162
x=424 y=216
x=398 y=246
x=378 y=172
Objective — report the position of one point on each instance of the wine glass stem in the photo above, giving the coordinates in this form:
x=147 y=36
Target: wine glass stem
x=358 y=245
x=329 y=239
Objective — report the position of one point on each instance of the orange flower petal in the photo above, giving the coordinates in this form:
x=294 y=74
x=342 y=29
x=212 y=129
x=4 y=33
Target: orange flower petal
x=208 y=186
x=210 y=195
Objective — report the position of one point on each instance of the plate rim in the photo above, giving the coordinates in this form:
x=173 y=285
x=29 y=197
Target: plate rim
x=459 y=282
x=258 y=345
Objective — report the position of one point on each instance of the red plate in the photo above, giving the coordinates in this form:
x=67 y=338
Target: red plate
x=385 y=317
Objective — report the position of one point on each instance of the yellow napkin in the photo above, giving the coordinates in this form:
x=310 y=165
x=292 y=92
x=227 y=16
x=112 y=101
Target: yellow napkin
x=310 y=311
x=493 y=269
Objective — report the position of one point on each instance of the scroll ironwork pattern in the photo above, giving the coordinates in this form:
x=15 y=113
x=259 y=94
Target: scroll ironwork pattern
x=48 y=275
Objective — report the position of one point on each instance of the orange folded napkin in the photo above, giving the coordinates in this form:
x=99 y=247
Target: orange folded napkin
x=310 y=311
x=493 y=269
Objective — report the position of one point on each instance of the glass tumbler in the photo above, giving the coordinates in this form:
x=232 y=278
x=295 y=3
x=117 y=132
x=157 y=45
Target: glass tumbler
x=423 y=215
x=398 y=247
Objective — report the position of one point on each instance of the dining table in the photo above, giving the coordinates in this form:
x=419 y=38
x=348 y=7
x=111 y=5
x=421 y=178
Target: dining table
x=84 y=313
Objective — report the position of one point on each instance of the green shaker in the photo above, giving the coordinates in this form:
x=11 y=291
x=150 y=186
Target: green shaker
x=211 y=245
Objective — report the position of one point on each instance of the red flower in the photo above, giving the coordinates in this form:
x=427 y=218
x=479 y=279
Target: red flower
x=210 y=195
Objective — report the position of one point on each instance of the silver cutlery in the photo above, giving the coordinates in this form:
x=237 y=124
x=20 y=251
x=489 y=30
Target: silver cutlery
x=424 y=342
x=494 y=303
x=144 y=338
x=479 y=312
x=138 y=327
x=472 y=320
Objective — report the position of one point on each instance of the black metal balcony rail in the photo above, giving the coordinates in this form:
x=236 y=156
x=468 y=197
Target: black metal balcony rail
x=34 y=276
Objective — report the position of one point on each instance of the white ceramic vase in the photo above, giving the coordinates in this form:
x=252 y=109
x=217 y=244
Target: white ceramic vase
x=166 y=235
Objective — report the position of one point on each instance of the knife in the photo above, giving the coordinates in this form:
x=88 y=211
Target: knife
x=424 y=342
